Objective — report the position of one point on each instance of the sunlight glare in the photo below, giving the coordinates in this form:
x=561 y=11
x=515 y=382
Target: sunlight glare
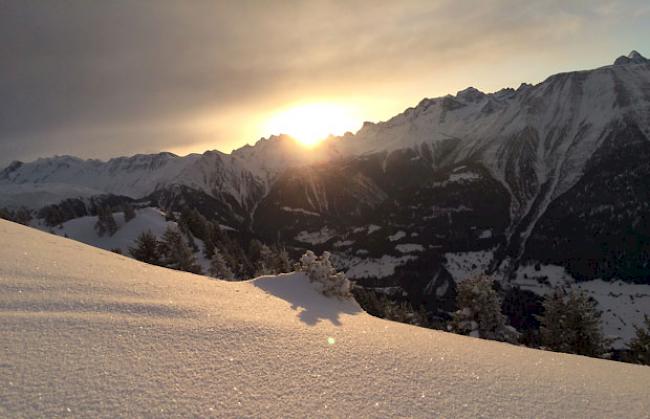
x=312 y=123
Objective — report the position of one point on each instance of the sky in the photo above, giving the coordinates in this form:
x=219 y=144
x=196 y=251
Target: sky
x=99 y=79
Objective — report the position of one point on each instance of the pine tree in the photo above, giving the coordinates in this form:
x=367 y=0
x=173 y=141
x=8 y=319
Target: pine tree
x=479 y=311
x=6 y=214
x=571 y=323
x=219 y=268
x=129 y=212
x=553 y=333
x=175 y=253
x=208 y=248
x=282 y=261
x=145 y=248
x=23 y=216
x=266 y=262
x=105 y=222
x=640 y=344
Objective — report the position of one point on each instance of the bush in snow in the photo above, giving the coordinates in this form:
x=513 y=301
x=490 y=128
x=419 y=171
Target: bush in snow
x=479 y=311
x=640 y=344
x=322 y=273
x=571 y=323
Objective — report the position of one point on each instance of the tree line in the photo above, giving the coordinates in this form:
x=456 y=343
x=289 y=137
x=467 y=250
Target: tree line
x=229 y=258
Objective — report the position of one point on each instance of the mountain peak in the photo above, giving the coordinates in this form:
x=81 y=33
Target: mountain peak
x=634 y=57
x=471 y=94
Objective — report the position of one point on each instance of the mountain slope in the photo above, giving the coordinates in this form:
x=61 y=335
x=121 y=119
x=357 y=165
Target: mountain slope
x=90 y=333
x=243 y=176
x=536 y=140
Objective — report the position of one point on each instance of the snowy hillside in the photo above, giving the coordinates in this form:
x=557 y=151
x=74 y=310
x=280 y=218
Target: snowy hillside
x=88 y=333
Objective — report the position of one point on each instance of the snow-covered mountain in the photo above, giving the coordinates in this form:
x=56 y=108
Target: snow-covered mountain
x=86 y=332
x=535 y=140
x=244 y=176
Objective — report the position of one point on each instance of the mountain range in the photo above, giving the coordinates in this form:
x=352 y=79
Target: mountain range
x=537 y=185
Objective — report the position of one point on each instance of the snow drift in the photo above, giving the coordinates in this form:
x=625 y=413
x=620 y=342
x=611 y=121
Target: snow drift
x=85 y=332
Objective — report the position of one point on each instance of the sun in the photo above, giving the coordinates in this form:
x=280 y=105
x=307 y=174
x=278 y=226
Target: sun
x=313 y=122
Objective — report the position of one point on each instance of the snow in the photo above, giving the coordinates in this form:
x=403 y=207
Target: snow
x=463 y=265
x=315 y=237
x=463 y=177
x=343 y=243
x=397 y=236
x=372 y=267
x=89 y=333
x=300 y=211
x=485 y=234
x=409 y=248
x=372 y=228
x=623 y=305
x=83 y=229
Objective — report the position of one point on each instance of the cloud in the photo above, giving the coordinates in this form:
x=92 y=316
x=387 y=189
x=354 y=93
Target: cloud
x=105 y=78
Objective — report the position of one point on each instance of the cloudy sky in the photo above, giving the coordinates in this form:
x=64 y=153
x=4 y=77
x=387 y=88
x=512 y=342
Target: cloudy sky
x=109 y=78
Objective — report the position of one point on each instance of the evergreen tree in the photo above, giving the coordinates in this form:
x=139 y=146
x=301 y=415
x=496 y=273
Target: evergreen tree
x=208 y=248
x=282 y=261
x=52 y=215
x=175 y=253
x=479 y=311
x=552 y=322
x=640 y=344
x=266 y=262
x=219 y=268
x=6 y=214
x=129 y=212
x=571 y=323
x=255 y=251
x=105 y=222
x=23 y=216
x=146 y=248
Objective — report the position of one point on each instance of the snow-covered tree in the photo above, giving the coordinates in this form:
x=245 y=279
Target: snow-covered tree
x=640 y=343
x=175 y=253
x=219 y=268
x=105 y=222
x=479 y=311
x=129 y=212
x=322 y=273
x=571 y=323
x=145 y=248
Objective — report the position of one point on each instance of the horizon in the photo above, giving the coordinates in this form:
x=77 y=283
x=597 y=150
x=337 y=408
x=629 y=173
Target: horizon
x=322 y=139
x=74 y=86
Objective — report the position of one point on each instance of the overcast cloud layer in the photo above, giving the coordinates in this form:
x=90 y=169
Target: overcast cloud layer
x=107 y=78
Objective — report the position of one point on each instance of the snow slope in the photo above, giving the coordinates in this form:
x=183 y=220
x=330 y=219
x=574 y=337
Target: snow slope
x=88 y=333
x=83 y=229
x=147 y=219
